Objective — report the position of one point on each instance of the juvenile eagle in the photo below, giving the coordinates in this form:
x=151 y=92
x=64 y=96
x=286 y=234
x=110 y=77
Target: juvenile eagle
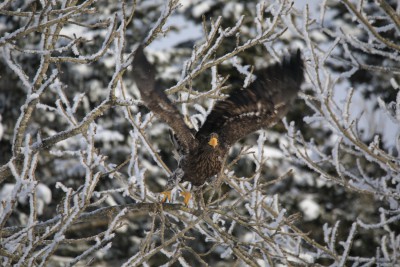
x=247 y=110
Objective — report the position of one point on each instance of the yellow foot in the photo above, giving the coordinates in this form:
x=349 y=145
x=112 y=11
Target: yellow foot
x=186 y=197
x=166 y=196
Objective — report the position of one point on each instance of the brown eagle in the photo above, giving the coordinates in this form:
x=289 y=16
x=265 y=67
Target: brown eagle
x=244 y=111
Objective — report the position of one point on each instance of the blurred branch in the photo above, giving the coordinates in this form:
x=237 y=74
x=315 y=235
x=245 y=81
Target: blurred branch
x=105 y=214
x=371 y=29
x=392 y=13
x=42 y=27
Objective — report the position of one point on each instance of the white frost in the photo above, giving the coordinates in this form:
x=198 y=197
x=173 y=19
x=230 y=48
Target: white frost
x=202 y=8
x=310 y=208
x=43 y=194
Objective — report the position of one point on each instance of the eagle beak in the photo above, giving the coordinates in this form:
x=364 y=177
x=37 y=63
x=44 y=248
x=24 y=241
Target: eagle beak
x=213 y=142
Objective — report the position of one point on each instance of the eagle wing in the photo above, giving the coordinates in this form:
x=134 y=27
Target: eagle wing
x=157 y=101
x=259 y=106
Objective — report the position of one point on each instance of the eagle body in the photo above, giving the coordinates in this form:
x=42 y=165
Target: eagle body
x=244 y=111
x=202 y=163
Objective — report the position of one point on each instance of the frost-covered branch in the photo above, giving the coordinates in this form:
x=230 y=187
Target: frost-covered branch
x=367 y=166
x=84 y=161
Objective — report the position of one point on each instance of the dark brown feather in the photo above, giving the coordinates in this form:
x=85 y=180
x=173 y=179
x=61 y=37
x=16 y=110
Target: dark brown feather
x=157 y=101
x=201 y=164
x=261 y=105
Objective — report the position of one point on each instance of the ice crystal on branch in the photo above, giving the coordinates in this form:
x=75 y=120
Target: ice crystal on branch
x=83 y=161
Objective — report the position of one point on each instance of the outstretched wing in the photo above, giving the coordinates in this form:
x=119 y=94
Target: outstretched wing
x=157 y=101
x=260 y=106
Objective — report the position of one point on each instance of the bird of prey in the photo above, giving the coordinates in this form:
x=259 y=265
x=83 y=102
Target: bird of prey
x=244 y=111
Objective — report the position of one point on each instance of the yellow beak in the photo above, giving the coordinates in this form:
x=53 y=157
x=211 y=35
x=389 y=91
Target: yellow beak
x=213 y=142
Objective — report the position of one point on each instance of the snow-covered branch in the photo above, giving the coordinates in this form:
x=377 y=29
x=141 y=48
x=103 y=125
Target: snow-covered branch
x=83 y=161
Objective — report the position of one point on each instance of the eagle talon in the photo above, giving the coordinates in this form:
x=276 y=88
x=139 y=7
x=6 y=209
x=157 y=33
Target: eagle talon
x=186 y=197
x=166 y=196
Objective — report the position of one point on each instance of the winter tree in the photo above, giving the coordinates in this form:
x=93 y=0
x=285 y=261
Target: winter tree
x=83 y=161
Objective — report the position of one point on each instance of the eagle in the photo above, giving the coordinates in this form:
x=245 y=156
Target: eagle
x=261 y=105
